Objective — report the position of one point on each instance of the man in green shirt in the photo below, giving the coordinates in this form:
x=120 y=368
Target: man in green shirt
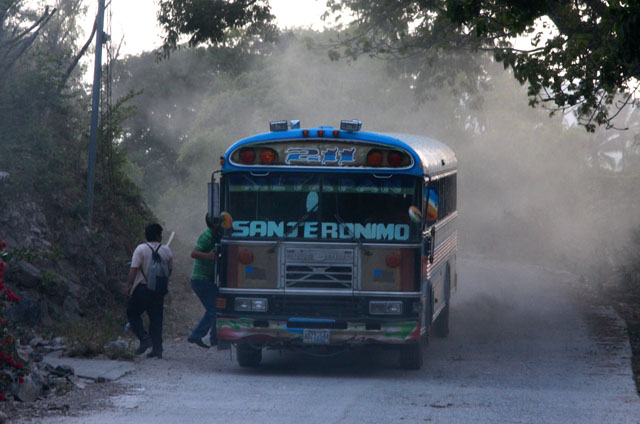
x=203 y=281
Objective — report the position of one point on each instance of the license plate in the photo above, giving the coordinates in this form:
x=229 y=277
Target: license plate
x=315 y=336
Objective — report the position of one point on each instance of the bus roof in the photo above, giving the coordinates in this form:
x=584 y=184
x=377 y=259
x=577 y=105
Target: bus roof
x=431 y=157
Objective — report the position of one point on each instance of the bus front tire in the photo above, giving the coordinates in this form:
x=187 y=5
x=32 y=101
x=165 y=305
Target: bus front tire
x=248 y=356
x=412 y=355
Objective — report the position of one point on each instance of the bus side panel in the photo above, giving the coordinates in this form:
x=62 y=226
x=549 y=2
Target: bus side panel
x=440 y=274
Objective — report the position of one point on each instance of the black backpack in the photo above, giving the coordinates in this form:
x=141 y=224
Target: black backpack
x=157 y=275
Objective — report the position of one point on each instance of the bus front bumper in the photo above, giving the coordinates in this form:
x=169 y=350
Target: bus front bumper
x=296 y=331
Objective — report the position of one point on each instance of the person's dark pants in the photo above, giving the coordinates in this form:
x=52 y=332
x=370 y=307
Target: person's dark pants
x=207 y=292
x=144 y=300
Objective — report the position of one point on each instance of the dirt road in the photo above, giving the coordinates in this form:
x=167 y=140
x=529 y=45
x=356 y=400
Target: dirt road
x=521 y=350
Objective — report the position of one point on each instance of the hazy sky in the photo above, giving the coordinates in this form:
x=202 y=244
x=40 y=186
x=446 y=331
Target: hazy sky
x=136 y=20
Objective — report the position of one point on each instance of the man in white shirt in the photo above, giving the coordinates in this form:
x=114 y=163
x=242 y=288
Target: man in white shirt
x=141 y=298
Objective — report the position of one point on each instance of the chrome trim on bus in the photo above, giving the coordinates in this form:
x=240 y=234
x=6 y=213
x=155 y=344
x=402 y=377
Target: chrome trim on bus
x=318 y=243
x=435 y=177
x=319 y=292
x=453 y=215
x=387 y=294
x=414 y=245
x=226 y=290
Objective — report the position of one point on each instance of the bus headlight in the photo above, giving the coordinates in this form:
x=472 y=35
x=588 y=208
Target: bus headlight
x=378 y=307
x=251 y=304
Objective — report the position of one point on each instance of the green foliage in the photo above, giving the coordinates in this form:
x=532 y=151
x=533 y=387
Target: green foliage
x=42 y=127
x=48 y=285
x=217 y=22
x=19 y=28
x=11 y=366
x=421 y=44
x=44 y=121
x=584 y=55
x=89 y=337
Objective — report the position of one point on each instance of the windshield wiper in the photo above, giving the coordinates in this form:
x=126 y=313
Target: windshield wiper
x=288 y=233
x=353 y=236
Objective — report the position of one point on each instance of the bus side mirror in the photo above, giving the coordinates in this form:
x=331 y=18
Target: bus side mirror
x=213 y=192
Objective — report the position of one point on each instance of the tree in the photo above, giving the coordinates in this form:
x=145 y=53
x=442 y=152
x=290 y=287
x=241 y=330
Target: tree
x=19 y=28
x=584 y=55
x=217 y=22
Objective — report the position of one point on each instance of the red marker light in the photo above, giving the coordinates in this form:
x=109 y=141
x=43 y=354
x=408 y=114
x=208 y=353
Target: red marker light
x=245 y=256
x=247 y=155
x=374 y=158
x=305 y=133
x=267 y=156
x=393 y=260
x=336 y=133
x=320 y=133
x=221 y=161
x=394 y=158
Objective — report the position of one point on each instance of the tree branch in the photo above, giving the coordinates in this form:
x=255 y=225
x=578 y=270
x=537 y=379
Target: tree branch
x=77 y=57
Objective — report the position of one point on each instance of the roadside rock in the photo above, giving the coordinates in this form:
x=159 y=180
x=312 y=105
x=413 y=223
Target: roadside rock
x=28 y=311
x=28 y=275
x=63 y=371
x=118 y=349
x=30 y=389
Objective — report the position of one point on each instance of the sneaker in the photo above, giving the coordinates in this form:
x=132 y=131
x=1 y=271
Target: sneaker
x=144 y=345
x=154 y=354
x=198 y=341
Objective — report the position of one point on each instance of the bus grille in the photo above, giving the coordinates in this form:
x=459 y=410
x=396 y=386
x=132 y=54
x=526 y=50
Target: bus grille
x=314 y=268
x=326 y=277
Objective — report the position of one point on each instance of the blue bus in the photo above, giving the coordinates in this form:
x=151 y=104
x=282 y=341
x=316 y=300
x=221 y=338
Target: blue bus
x=339 y=237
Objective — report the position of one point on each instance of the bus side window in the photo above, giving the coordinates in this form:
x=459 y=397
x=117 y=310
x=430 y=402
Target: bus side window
x=440 y=199
x=447 y=190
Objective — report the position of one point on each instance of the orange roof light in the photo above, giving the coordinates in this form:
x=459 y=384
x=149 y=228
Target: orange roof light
x=305 y=133
x=320 y=133
x=267 y=156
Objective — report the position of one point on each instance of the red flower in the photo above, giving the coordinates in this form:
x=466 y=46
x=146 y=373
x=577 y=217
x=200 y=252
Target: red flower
x=3 y=245
x=2 y=266
x=21 y=379
x=1 y=397
x=19 y=365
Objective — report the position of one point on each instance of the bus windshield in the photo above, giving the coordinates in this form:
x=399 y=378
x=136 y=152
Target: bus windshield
x=322 y=206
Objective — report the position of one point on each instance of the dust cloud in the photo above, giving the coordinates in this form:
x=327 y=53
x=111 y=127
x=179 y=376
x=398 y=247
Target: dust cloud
x=531 y=188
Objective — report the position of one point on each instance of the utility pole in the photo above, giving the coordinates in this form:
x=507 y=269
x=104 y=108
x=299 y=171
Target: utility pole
x=95 y=106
